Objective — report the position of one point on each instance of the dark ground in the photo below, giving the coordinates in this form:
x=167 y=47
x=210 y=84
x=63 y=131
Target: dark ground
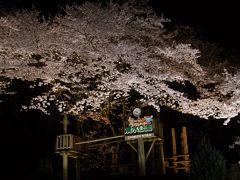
x=163 y=177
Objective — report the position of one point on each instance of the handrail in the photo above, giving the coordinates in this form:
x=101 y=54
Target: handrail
x=67 y=142
x=97 y=140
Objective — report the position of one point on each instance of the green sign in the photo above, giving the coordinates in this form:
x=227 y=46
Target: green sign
x=138 y=129
x=139 y=126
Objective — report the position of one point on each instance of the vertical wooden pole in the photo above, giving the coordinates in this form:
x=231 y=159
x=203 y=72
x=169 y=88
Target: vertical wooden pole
x=123 y=114
x=162 y=159
x=141 y=157
x=174 y=146
x=153 y=156
x=184 y=145
x=161 y=130
x=158 y=126
x=174 y=150
x=108 y=116
x=184 y=140
x=134 y=160
x=65 y=123
x=114 y=154
x=162 y=162
x=78 y=170
x=114 y=157
x=65 y=166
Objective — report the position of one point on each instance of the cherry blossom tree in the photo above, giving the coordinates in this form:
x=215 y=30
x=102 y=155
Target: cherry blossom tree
x=96 y=54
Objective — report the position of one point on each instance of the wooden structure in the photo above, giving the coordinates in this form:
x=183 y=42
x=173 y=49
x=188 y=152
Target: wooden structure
x=144 y=147
x=67 y=148
x=179 y=162
x=139 y=146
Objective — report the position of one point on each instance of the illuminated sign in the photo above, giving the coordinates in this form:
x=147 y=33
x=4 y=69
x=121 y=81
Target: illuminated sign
x=139 y=127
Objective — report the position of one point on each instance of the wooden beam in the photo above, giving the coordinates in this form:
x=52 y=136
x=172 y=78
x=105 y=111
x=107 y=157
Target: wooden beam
x=78 y=168
x=129 y=143
x=97 y=140
x=141 y=157
x=161 y=167
x=105 y=143
x=65 y=123
x=114 y=155
x=123 y=114
x=65 y=166
x=149 y=150
x=162 y=159
x=174 y=146
x=184 y=140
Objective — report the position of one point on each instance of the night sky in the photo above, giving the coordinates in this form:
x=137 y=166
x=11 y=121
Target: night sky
x=216 y=20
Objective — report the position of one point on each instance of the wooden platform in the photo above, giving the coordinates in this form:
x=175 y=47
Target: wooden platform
x=178 y=163
x=67 y=143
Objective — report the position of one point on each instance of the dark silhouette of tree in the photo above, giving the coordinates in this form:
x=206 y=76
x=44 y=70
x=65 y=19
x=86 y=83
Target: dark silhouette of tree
x=207 y=162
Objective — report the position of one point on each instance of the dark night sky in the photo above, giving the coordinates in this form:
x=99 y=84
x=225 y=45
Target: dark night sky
x=217 y=20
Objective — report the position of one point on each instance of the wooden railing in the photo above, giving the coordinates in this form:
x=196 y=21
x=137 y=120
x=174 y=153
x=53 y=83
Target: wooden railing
x=68 y=142
x=178 y=162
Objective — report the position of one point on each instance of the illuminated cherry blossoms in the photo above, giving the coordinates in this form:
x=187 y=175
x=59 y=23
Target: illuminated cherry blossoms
x=94 y=53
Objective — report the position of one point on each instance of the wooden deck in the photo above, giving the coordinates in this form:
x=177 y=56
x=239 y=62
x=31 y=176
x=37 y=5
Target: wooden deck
x=178 y=163
x=67 y=142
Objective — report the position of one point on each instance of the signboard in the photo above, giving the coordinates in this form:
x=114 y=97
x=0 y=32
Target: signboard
x=139 y=127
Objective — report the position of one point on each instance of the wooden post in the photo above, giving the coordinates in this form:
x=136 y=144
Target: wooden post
x=65 y=123
x=161 y=130
x=184 y=140
x=162 y=162
x=134 y=160
x=114 y=155
x=153 y=156
x=141 y=157
x=158 y=129
x=65 y=166
x=184 y=145
x=108 y=117
x=123 y=115
x=78 y=170
x=160 y=148
x=174 y=150
x=174 y=146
